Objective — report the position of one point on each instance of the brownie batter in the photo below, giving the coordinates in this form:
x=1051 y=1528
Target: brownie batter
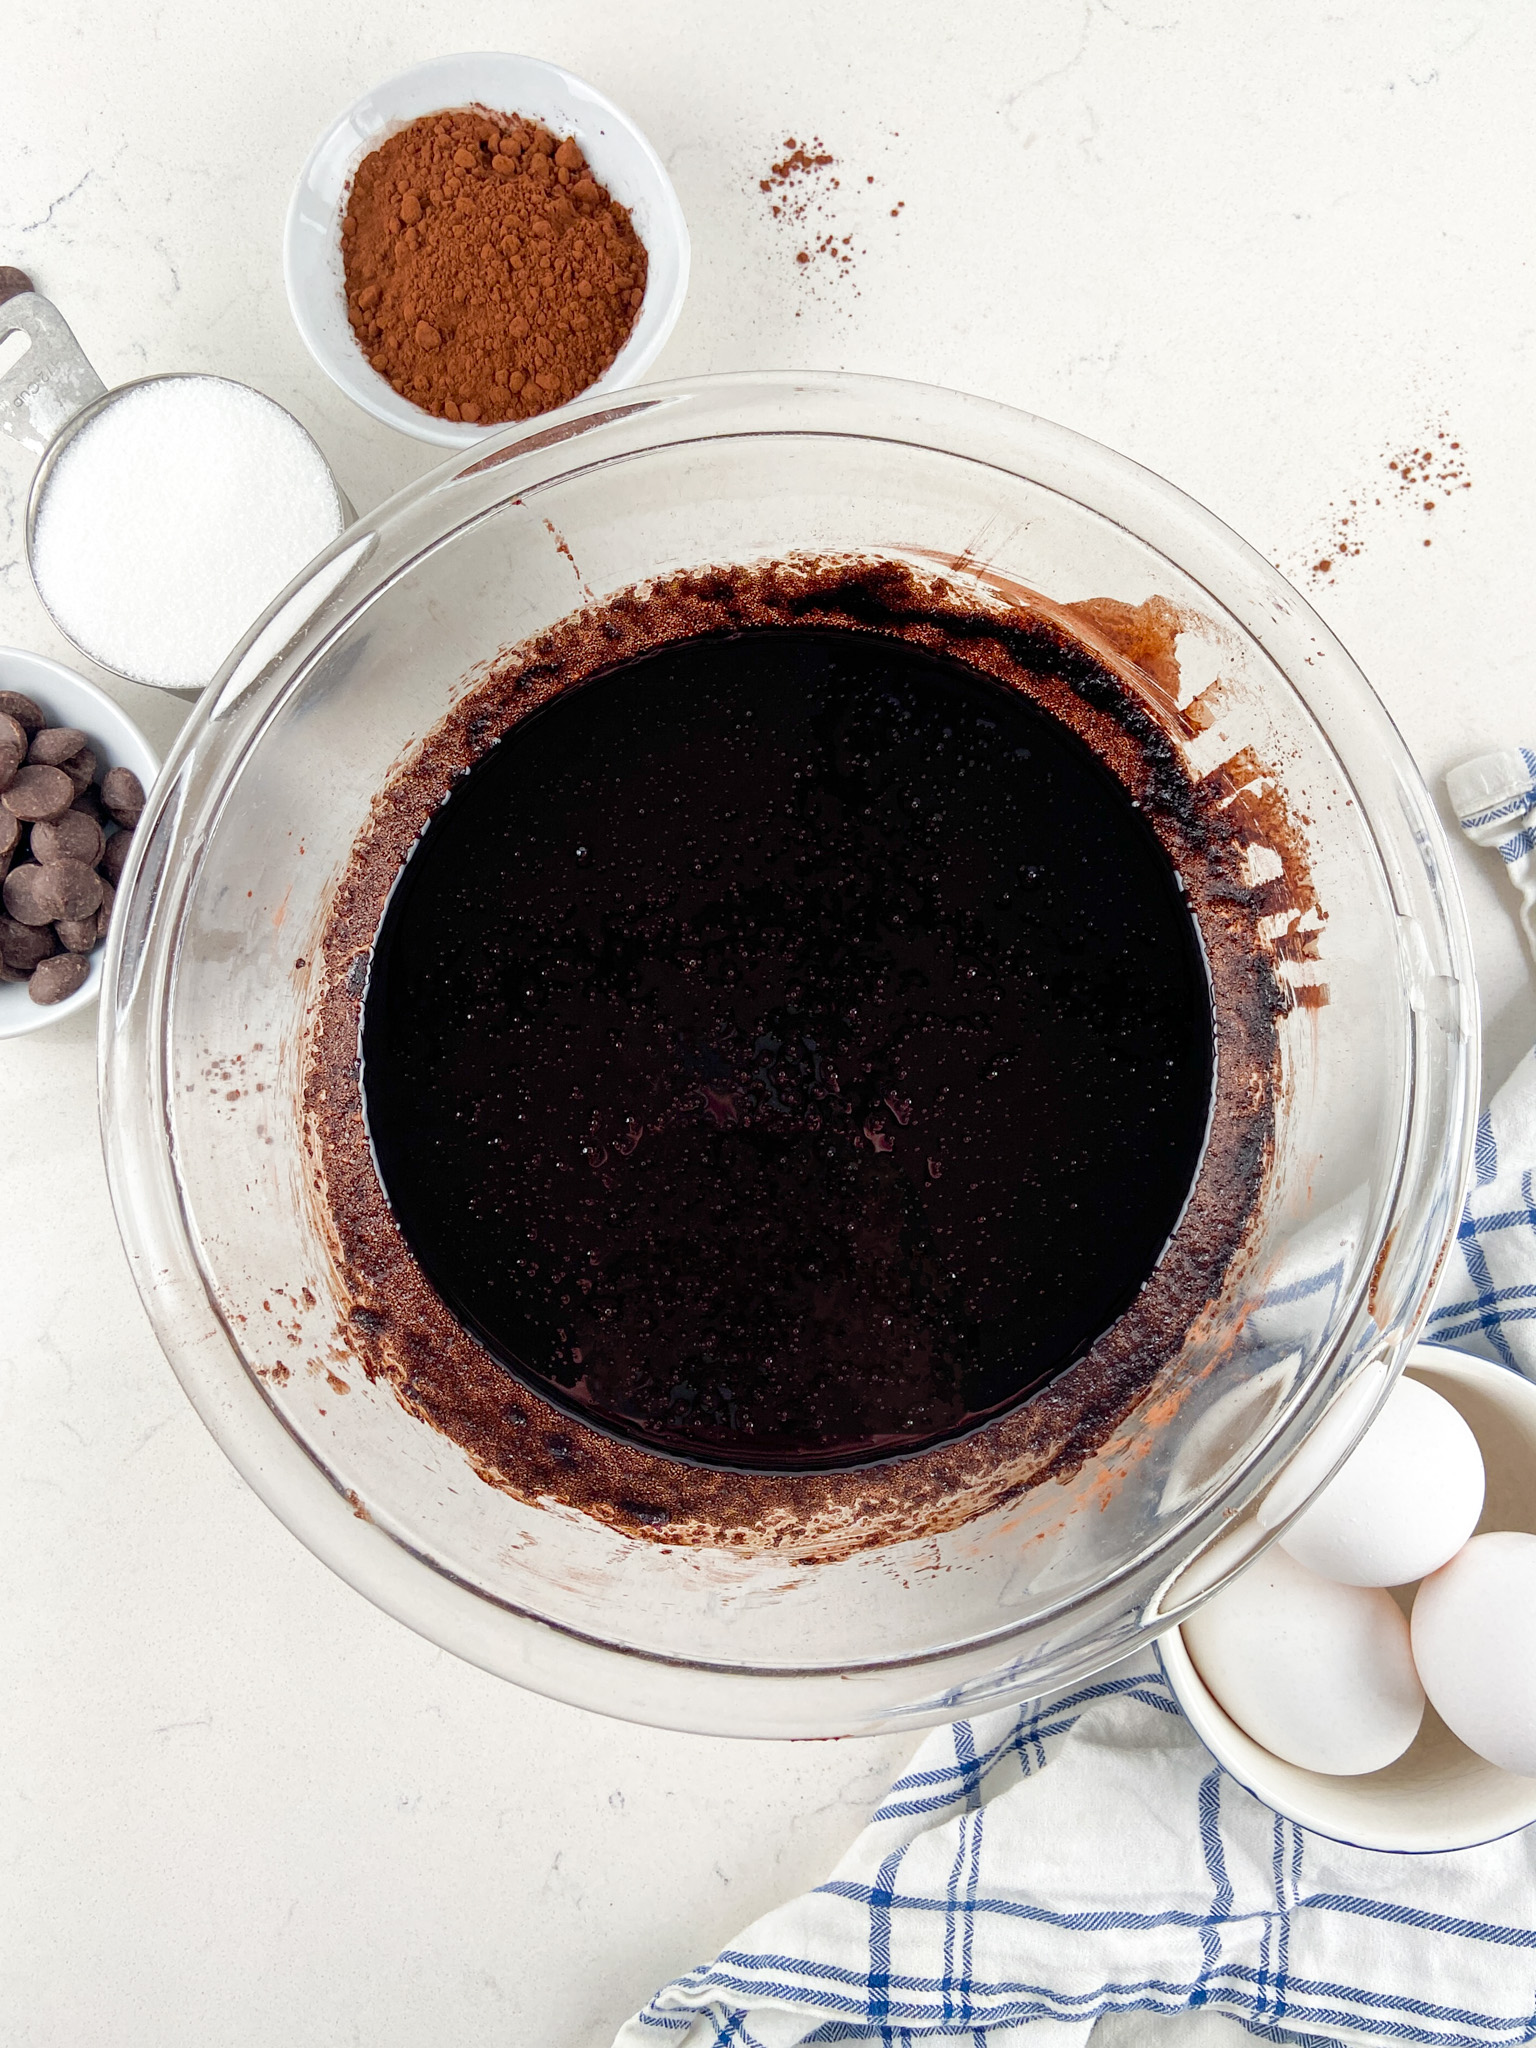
x=788 y=1048
x=678 y=1001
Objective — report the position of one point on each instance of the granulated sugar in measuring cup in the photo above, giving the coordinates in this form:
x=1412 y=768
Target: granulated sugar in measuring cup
x=165 y=515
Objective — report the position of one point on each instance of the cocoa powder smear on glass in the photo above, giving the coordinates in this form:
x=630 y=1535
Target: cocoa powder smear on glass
x=488 y=275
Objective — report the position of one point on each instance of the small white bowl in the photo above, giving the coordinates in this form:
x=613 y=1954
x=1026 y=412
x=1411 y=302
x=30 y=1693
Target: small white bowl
x=620 y=157
x=68 y=699
x=1438 y=1795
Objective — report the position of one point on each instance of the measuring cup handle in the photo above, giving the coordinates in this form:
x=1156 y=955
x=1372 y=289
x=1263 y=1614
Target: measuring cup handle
x=51 y=381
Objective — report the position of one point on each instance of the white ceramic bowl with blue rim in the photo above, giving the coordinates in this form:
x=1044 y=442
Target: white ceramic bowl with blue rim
x=1438 y=1795
x=68 y=699
x=621 y=159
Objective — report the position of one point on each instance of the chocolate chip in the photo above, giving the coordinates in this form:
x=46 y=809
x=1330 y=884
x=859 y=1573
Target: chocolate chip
x=81 y=769
x=123 y=794
x=77 y=934
x=39 y=792
x=113 y=861
x=366 y=1320
x=60 y=861
x=27 y=715
x=33 y=895
x=74 y=836
x=57 y=977
x=23 y=945
x=78 y=888
x=55 y=744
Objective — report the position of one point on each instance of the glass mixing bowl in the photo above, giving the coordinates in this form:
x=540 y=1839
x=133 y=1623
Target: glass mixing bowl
x=208 y=980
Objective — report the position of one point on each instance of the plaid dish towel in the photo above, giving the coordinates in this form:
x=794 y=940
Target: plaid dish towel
x=1039 y=1868
x=1032 y=1871
x=1494 y=797
x=1487 y=1296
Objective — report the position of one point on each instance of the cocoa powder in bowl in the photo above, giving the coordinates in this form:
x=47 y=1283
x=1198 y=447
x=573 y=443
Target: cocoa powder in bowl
x=488 y=275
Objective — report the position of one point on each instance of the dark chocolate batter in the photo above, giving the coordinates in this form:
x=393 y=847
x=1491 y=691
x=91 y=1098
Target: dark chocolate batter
x=1100 y=680
x=788 y=1049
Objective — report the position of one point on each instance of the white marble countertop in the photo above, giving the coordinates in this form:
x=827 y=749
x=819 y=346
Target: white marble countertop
x=1263 y=250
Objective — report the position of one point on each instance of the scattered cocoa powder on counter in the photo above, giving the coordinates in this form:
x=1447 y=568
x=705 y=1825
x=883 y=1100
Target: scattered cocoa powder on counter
x=791 y=183
x=488 y=275
x=1437 y=469
x=1419 y=478
x=798 y=187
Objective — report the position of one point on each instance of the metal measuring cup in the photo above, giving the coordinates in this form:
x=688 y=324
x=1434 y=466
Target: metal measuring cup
x=48 y=395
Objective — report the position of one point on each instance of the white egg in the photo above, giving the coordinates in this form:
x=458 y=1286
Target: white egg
x=1474 y=1641
x=1318 y=1672
x=1404 y=1501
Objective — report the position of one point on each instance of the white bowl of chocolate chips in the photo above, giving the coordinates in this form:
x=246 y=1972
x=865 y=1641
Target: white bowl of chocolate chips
x=74 y=770
x=755 y=1119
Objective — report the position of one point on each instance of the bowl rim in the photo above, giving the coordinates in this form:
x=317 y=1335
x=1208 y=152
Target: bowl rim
x=1210 y=1722
x=502 y=1635
x=14 y=663
x=347 y=367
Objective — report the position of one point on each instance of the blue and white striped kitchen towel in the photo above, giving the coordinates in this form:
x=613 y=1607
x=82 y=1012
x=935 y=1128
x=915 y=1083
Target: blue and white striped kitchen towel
x=1036 y=1869
x=1487 y=1298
